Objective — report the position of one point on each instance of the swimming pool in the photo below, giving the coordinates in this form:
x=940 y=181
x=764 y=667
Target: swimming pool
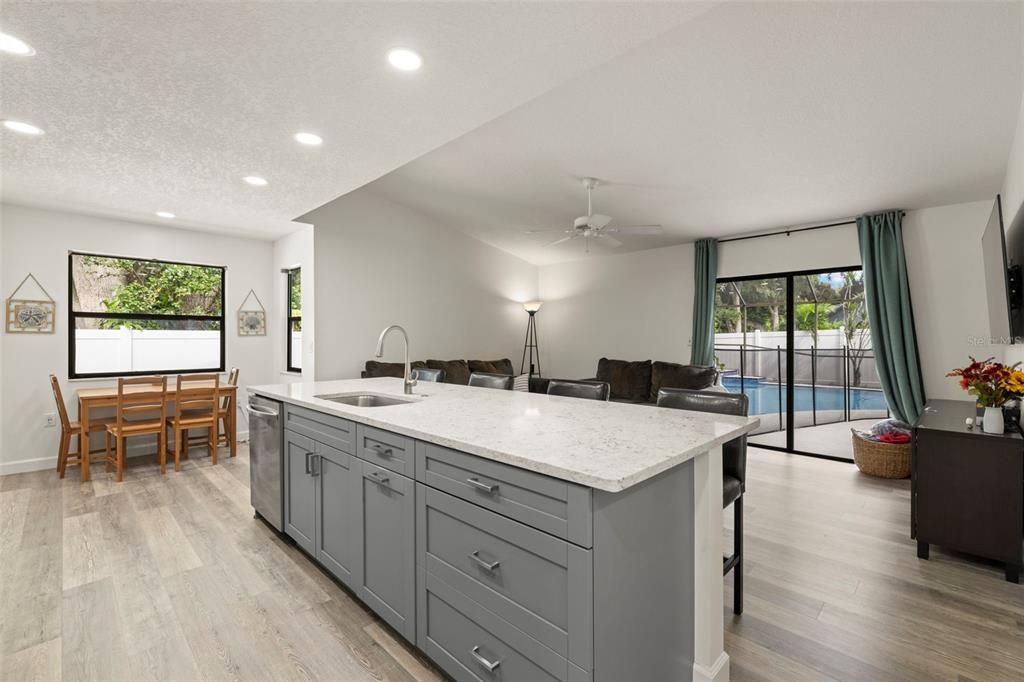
x=764 y=396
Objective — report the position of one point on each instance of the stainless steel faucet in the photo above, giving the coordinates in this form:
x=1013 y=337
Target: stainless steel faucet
x=409 y=381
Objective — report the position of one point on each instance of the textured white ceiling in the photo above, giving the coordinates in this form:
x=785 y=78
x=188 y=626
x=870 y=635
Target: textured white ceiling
x=749 y=117
x=166 y=106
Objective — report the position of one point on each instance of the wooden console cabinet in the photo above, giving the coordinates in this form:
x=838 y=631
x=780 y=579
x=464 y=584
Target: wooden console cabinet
x=968 y=487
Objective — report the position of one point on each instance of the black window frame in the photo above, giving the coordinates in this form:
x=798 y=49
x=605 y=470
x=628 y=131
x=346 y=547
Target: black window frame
x=73 y=315
x=291 y=319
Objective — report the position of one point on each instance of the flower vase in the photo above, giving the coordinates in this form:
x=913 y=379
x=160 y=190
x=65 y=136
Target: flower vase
x=993 y=422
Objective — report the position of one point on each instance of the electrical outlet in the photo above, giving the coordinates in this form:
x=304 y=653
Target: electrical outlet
x=51 y=419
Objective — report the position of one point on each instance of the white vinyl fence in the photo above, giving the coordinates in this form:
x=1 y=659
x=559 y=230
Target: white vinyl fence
x=141 y=350
x=828 y=365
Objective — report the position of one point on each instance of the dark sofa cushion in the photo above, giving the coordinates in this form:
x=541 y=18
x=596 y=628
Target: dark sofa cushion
x=388 y=369
x=503 y=366
x=674 y=375
x=629 y=380
x=455 y=371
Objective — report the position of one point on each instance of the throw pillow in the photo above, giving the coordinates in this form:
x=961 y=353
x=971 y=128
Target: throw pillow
x=456 y=371
x=503 y=366
x=628 y=380
x=388 y=369
x=674 y=375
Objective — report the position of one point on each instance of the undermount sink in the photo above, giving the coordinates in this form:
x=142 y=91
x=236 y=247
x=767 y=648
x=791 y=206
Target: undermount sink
x=364 y=399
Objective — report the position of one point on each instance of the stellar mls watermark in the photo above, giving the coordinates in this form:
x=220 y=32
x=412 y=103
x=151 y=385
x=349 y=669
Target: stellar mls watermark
x=994 y=340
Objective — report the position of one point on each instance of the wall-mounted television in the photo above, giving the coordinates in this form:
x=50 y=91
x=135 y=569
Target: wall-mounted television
x=1002 y=282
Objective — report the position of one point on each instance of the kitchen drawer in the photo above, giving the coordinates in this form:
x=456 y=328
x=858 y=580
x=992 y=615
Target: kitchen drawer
x=557 y=507
x=386 y=449
x=466 y=639
x=538 y=583
x=325 y=428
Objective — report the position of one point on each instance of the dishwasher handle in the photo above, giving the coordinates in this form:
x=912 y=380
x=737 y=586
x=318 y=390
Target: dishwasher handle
x=262 y=410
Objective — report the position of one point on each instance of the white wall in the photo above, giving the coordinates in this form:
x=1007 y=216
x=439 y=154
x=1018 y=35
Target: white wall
x=833 y=247
x=945 y=269
x=291 y=251
x=633 y=306
x=38 y=241
x=379 y=263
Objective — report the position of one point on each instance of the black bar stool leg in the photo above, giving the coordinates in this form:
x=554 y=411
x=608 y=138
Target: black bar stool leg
x=737 y=540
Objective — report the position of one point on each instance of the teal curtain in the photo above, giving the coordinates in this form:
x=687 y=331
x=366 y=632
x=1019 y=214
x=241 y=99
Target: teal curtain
x=705 y=272
x=887 y=295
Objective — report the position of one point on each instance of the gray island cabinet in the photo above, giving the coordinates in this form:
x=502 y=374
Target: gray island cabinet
x=498 y=571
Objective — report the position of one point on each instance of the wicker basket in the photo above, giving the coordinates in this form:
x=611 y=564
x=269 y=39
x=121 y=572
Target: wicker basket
x=885 y=460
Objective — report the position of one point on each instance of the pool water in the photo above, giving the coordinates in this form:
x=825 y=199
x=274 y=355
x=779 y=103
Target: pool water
x=764 y=397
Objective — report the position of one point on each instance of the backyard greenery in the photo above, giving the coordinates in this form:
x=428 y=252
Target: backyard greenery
x=149 y=287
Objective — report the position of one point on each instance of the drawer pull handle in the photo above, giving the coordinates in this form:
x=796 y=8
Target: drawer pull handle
x=381 y=450
x=379 y=478
x=475 y=556
x=476 y=483
x=491 y=667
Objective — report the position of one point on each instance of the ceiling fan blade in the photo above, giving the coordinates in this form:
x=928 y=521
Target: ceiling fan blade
x=561 y=241
x=609 y=240
x=557 y=229
x=636 y=229
x=597 y=221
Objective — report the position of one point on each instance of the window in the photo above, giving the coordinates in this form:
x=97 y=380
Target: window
x=133 y=316
x=294 y=297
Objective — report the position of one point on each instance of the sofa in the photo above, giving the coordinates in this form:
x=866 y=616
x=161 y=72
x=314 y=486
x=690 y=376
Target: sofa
x=639 y=381
x=455 y=371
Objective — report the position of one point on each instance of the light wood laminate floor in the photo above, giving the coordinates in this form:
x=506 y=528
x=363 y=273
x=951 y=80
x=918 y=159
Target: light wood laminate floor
x=170 y=577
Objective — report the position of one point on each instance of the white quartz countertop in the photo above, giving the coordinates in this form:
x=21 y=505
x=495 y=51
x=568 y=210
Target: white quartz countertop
x=602 y=445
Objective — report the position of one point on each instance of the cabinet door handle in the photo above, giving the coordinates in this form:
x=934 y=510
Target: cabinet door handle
x=317 y=464
x=487 y=488
x=380 y=478
x=475 y=556
x=309 y=469
x=491 y=667
x=382 y=451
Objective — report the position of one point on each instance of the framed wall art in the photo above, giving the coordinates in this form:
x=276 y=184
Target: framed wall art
x=30 y=315
x=252 y=321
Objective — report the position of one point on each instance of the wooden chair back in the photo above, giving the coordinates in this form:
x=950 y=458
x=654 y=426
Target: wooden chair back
x=62 y=410
x=232 y=381
x=197 y=393
x=141 y=398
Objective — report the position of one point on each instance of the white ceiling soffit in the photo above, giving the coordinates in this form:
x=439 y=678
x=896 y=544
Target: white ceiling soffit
x=751 y=116
x=166 y=106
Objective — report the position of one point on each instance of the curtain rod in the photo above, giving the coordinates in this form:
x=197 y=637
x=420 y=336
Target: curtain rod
x=792 y=230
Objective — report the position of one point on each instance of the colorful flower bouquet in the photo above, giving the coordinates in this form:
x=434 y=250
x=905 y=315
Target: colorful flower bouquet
x=993 y=384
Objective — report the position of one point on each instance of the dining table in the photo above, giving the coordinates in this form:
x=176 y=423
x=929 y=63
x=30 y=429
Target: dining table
x=90 y=399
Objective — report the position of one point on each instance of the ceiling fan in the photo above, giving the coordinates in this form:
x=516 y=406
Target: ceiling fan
x=597 y=226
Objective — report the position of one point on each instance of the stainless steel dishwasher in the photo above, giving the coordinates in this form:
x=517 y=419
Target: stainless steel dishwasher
x=266 y=471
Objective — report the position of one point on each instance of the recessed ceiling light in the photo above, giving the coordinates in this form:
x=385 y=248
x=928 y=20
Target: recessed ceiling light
x=405 y=60
x=22 y=127
x=309 y=139
x=12 y=45
x=255 y=180
x=165 y=214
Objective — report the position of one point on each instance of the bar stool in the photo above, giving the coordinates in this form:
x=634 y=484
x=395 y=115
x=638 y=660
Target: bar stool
x=734 y=467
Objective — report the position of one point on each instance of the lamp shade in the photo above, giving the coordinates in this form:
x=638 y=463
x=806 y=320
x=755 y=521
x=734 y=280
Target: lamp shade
x=532 y=306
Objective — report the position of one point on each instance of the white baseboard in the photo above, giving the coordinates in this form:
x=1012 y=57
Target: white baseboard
x=719 y=672
x=21 y=466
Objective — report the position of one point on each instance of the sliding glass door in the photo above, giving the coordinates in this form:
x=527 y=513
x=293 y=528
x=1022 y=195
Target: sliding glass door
x=798 y=345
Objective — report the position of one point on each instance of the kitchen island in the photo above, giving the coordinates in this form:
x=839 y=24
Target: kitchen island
x=512 y=535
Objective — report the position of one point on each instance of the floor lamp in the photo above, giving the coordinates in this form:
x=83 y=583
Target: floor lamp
x=530 y=346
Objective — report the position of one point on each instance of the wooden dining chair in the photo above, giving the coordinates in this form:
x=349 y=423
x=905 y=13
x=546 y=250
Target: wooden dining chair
x=226 y=435
x=69 y=429
x=141 y=410
x=196 y=406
